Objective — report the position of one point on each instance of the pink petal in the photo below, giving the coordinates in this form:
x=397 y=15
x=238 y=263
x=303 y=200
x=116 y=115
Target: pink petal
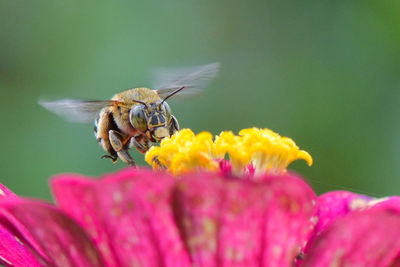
x=57 y=239
x=12 y=251
x=336 y=204
x=131 y=211
x=6 y=194
x=76 y=195
x=293 y=217
x=389 y=202
x=233 y=222
x=331 y=206
x=362 y=238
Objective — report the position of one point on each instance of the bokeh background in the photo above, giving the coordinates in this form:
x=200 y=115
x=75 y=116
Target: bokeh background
x=324 y=73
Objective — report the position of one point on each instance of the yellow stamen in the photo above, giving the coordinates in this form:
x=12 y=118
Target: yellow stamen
x=184 y=152
x=265 y=149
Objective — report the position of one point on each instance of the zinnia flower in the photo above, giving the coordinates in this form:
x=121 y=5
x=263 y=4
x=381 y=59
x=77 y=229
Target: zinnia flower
x=205 y=211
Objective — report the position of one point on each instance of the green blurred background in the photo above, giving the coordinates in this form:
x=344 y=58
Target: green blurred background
x=325 y=73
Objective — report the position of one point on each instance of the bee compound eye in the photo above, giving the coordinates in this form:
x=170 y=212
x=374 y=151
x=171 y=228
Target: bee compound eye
x=167 y=110
x=138 y=118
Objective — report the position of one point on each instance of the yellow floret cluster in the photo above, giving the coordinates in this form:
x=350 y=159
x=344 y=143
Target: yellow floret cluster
x=266 y=150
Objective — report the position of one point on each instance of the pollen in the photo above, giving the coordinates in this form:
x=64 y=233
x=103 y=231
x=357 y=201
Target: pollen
x=184 y=152
x=264 y=149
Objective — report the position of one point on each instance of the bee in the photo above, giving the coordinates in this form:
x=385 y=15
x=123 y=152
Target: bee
x=135 y=117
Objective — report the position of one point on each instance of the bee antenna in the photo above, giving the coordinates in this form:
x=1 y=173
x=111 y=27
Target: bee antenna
x=173 y=93
x=141 y=102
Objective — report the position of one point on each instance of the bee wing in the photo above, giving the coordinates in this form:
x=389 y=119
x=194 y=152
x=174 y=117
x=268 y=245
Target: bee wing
x=194 y=79
x=75 y=110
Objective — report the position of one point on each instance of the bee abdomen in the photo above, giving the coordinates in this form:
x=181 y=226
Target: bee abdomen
x=102 y=125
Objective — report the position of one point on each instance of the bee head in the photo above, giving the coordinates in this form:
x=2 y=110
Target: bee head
x=153 y=117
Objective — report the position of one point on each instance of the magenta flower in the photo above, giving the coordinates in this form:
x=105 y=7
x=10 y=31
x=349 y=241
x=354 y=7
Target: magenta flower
x=138 y=217
x=142 y=218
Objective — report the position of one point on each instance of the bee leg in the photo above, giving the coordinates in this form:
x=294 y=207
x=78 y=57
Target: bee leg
x=117 y=143
x=159 y=165
x=141 y=143
x=126 y=157
x=114 y=159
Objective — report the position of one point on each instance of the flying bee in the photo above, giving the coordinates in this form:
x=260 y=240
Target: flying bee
x=135 y=117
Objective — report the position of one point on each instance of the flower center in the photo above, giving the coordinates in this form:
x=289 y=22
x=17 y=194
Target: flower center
x=263 y=149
